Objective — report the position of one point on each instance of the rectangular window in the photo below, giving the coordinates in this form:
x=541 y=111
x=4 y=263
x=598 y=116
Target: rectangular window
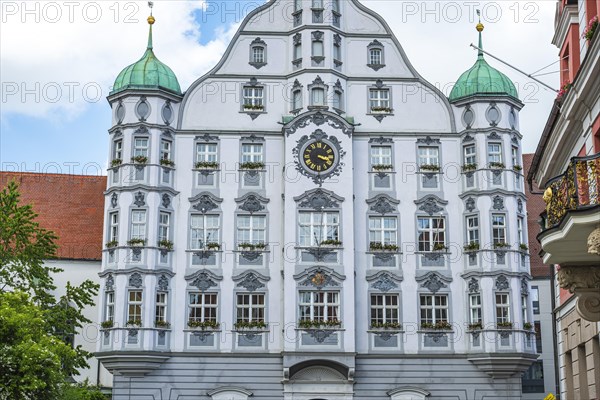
x=538 y=336
x=375 y=57
x=337 y=100
x=319 y=306
x=384 y=308
x=498 y=228
x=475 y=308
x=318 y=49
x=470 y=156
x=252 y=153
x=296 y=100
x=109 y=310
x=165 y=150
x=297 y=5
x=381 y=155
x=535 y=299
x=432 y=232
x=335 y=5
x=138 y=224
x=472 y=229
x=203 y=307
x=316 y=227
x=206 y=152
x=113 y=230
x=494 y=153
x=317 y=97
x=251 y=229
x=140 y=147
x=520 y=232
x=379 y=98
x=134 y=306
x=337 y=52
x=297 y=51
x=164 y=225
x=515 y=156
x=317 y=3
x=253 y=96
x=258 y=54
x=502 y=308
x=118 y=150
x=434 y=308
x=524 y=313
x=250 y=307
x=161 y=307
x=429 y=156
x=383 y=230
x=204 y=229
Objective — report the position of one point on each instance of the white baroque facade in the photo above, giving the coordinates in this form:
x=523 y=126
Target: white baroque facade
x=294 y=225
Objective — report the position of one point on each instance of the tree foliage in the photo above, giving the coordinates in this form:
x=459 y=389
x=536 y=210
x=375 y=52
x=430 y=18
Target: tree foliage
x=35 y=359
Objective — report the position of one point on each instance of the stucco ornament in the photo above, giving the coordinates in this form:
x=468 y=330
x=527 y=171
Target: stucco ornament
x=593 y=242
x=584 y=282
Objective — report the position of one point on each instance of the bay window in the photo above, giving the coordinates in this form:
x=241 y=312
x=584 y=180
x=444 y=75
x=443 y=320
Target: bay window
x=134 y=306
x=498 y=228
x=502 y=308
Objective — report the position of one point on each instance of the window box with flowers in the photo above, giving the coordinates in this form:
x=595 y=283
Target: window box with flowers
x=330 y=243
x=564 y=90
x=136 y=242
x=381 y=110
x=386 y=326
x=252 y=246
x=471 y=247
x=501 y=246
x=252 y=166
x=254 y=107
x=429 y=168
x=378 y=247
x=440 y=247
x=523 y=247
x=165 y=244
x=116 y=162
x=496 y=165
x=167 y=163
x=590 y=29
x=469 y=167
x=142 y=160
x=213 y=246
x=134 y=323
x=528 y=326
x=112 y=244
x=438 y=326
x=250 y=326
x=332 y=324
x=203 y=325
x=107 y=324
x=207 y=165
x=517 y=168
x=477 y=326
x=162 y=324
x=504 y=325
x=382 y=167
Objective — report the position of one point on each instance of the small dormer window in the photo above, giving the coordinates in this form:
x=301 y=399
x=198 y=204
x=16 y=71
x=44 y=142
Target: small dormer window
x=258 y=53
x=375 y=55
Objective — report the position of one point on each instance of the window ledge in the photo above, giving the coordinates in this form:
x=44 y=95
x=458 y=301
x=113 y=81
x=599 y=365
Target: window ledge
x=257 y=65
x=376 y=67
x=314 y=108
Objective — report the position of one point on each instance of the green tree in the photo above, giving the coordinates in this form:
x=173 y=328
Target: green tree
x=34 y=358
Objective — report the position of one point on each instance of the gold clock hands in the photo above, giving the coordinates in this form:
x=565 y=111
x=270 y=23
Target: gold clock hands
x=323 y=158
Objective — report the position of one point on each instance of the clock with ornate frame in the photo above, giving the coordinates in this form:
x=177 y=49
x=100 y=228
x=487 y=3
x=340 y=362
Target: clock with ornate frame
x=319 y=156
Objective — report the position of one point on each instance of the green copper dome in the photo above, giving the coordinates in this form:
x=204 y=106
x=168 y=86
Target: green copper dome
x=147 y=73
x=482 y=79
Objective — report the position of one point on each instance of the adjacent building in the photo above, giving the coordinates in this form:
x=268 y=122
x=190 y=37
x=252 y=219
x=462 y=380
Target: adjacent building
x=313 y=220
x=565 y=166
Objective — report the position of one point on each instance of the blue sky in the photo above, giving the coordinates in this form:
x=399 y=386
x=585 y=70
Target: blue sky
x=49 y=123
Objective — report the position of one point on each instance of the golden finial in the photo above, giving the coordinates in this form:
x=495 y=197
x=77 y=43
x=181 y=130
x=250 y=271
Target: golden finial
x=151 y=19
x=479 y=25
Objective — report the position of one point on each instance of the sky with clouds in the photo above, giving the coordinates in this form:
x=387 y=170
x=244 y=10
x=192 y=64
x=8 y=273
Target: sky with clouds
x=59 y=59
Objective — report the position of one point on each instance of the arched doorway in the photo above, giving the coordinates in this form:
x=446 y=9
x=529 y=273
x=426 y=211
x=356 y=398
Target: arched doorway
x=319 y=382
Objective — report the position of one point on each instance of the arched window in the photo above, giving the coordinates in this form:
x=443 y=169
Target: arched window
x=258 y=53
x=318 y=93
x=376 y=59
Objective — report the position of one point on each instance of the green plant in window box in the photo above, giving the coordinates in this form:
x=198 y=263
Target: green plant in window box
x=523 y=247
x=429 y=167
x=330 y=242
x=308 y=324
x=134 y=322
x=381 y=109
x=386 y=325
x=213 y=246
x=136 y=242
x=473 y=246
x=165 y=244
x=590 y=29
x=252 y=246
x=112 y=244
x=250 y=325
x=438 y=326
x=440 y=247
x=206 y=165
x=382 y=167
x=203 y=324
x=254 y=107
x=527 y=326
x=252 y=165
x=517 y=168
x=504 y=325
x=166 y=162
x=107 y=324
x=497 y=165
x=501 y=245
x=476 y=326
x=139 y=159
x=378 y=246
x=116 y=162
x=162 y=324
x=469 y=167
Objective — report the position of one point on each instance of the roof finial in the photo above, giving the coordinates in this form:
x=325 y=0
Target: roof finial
x=480 y=29
x=151 y=21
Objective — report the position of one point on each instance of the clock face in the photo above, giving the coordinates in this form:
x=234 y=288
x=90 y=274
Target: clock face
x=319 y=156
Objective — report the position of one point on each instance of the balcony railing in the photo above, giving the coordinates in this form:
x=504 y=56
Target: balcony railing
x=578 y=188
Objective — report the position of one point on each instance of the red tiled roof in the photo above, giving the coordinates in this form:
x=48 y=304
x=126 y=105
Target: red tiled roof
x=535 y=206
x=72 y=206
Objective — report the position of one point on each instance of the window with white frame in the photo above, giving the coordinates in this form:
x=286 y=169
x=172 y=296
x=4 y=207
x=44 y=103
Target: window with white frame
x=470 y=155
x=381 y=155
x=337 y=51
x=206 y=152
x=319 y=306
x=429 y=156
x=253 y=97
x=385 y=309
x=431 y=232
x=252 y=153
x=434 y=308
x=164 y=226
x=318 y=49
x=520 y=233
x=134 y=306
x=498 y=228
x=535 y=299
x=251 y=229
x=138 y=224
x=502 y=308
x=379 y=99
x=140 y=147
x=113 y=229
x=475 y=312
x=204 y=229
x=118 y=150
x=515 y=156
x=161 y=307
x=383 y=230
x=494 y=152
x=316 y=227
x=109 y=306
x=250 y=307
x=472 y=222
x=337 y=100
x=297 y=50
x=203 y=307
x=524 y=309
x=317 y=97
x=165 y=150
x=296 y=99
x=375 y=56
x=258 y=55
